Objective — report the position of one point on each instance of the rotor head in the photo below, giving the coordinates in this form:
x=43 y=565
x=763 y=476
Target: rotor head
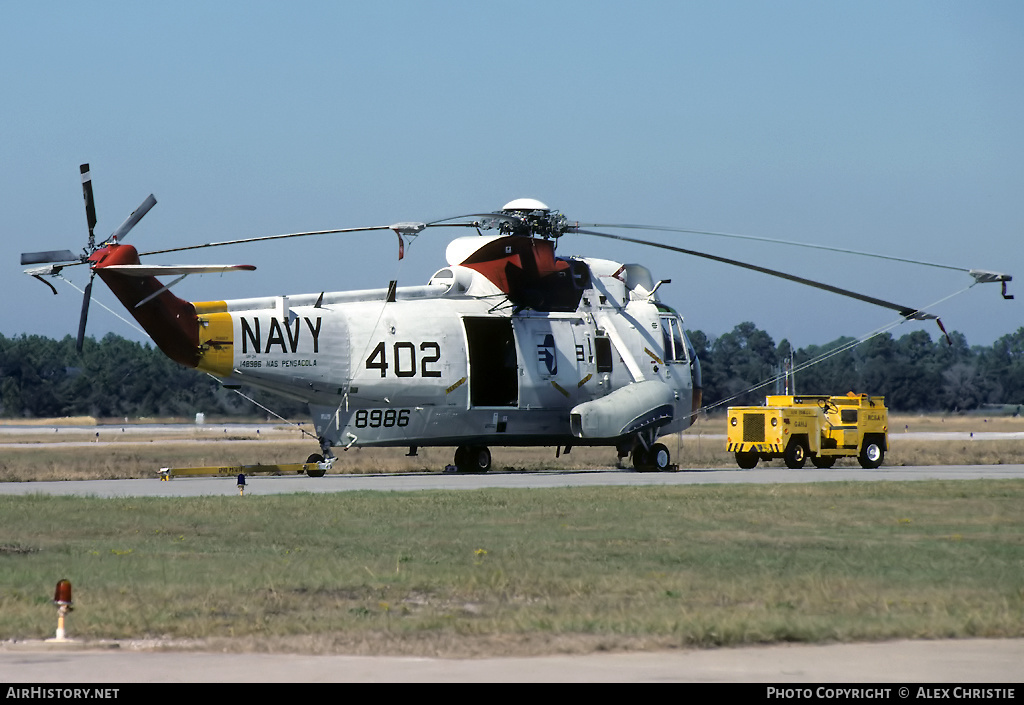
x=531 y=218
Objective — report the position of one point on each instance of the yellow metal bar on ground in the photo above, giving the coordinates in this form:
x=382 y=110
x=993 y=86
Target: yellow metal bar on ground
x=232 y=470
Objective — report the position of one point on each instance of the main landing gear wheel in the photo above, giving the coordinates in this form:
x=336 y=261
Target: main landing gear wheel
x=315 y=471
x=654 y=459
x=474 y=459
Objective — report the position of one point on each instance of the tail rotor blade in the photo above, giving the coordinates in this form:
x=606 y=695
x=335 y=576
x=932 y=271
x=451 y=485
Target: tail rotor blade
x=85 y=316
x=90 y=204
x=134 y=218
x=48 y=256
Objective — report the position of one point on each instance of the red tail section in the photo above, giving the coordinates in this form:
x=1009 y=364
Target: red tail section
x=171 y=322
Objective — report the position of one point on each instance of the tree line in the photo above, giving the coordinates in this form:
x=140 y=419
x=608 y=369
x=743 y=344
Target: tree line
x=115 y=377
x=913 y=372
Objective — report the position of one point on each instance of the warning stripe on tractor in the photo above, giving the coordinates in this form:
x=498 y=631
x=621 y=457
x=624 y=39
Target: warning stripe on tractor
x=756 y=447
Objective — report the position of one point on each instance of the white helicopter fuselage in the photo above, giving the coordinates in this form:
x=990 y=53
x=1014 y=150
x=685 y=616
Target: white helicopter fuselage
x=454 y=363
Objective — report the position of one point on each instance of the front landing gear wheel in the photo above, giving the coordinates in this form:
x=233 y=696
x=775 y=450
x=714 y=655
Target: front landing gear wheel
x=315 y=471
x=639 y=458
x=654 y=459
x=659 y=458
x=475 y=459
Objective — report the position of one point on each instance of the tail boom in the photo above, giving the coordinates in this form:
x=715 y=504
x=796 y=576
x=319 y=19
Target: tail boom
x=197 y=335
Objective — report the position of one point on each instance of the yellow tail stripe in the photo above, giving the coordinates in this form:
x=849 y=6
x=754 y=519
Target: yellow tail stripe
x=203 y=307
x=216 y=343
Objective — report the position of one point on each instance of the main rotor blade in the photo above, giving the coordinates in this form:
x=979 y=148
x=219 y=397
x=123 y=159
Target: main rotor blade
x=90 y=204
x=666 y=229
x=444 y=222
x=160 y=270
x=267 y=237
x=134 y=218
x=907 y=312
x=369 y=228
x=48 y=256
x=85 y=315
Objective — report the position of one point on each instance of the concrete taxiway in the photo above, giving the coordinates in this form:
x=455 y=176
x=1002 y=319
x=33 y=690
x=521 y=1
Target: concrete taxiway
x=411 y=482
x=897 y=662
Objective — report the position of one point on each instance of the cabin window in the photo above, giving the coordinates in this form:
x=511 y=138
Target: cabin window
x=603 y=351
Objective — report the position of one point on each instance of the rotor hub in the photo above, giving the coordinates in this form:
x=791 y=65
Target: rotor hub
x=532 y=218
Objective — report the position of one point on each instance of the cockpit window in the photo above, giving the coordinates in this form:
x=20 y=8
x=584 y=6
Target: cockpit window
x=675 y=341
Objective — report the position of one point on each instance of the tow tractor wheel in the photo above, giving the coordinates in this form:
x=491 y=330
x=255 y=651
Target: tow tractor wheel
x=315 y=471
x=472 y=459
x=747 y=460
x=871 y=455
x=823 y=462
x=796 y=455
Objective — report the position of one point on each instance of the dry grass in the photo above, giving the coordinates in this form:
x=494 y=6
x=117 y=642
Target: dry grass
x=62 y=421
x=974 y=423
x=128 y=460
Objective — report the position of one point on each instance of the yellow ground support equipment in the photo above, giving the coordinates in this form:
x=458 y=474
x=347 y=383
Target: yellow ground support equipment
x=313 y=469
x=822 y=428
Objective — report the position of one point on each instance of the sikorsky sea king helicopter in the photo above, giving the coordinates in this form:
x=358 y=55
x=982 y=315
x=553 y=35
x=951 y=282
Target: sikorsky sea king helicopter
x=508 y=345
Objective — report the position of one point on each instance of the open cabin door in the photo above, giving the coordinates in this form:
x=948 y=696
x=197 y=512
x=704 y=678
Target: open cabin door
x=493 y=364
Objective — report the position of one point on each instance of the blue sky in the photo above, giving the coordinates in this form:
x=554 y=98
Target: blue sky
x=890 y=127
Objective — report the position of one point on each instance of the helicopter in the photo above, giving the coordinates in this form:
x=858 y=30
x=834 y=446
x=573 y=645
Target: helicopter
x=507 y=345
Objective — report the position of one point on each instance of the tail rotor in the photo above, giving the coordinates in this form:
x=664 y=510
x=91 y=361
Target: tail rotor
x=58 y=259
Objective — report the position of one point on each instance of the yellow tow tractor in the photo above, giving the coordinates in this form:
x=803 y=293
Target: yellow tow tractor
x=822 y=428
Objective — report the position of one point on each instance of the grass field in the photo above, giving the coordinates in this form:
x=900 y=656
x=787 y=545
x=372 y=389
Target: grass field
x=494 y=572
